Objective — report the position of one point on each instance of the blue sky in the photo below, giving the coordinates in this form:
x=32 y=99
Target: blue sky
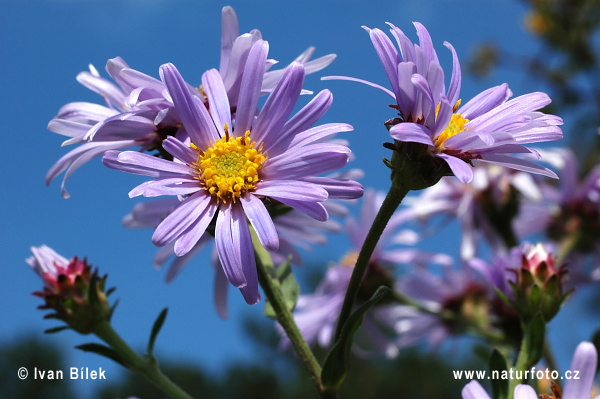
x=46 y=43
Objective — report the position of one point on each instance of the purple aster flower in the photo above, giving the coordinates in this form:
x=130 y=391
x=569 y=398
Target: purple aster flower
x=316 y=314
x=137 y=113
x=584 y=362
x=489 y=199
x=488 y=128
x=228 y=169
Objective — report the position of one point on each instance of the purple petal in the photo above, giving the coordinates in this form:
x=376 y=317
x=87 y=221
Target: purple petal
x=517 y=163
x=523 y=391
x=315 y=210
x=293 y=189
x=258 y=215
x=193 y=114
x=144 y=164
x=166 y=186
x=319 y=133
x=585 y=362
x=473 y=390
x=425 y=43
x=411 y=133
x=241 y=234
x=456 y=80
x=220 y=291
x=462 y=170
x=228 y=248
x=179 y=150
x=229 y=32
x=250 y=87
x=278 y=107
x=485 y=101
x=408 y=92
x=338 y=188
x=217 y=98
x=306 y=161
x=375 y=85
x=388 y=55
x=189 y=238
x=182 y=217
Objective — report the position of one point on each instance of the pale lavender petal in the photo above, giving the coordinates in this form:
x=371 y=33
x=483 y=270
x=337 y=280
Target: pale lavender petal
x=425 y=43
x=145 y=164
x=228 y=248
x=179 y=150
x=375 y=85
x=584 y=362
x=220 y=291
x=278 y=107
x=167 y=186
x=444 y=116
x=193 y=114
x=232 y=76
x=523 y=391
x=473 y=390
x=315 y=210
x=485 y=101
x=85 y=112
x=411 y=133
x=305 y=161
x=181 y=261
x=250 y=87
x=319 y=133
x=229 y=32
x=69 y=128
x=338 y=188
x=182 y=217
x=260 y=219
x=407 y=48
x=106 y=89
x=217 y=98
x=189 y=238
x=462 y=170
x=408 y=92
x=293 y=189
x=518 y=163
x=243 y=241
x=456 y=80
x=388 y=55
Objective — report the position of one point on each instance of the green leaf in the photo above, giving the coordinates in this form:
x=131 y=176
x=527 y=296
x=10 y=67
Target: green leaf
x=158 y=323
x=287 y=284
x=499 y=385
x=338 y=360
x=55 y=330
x=535 y=333
x=102 y=351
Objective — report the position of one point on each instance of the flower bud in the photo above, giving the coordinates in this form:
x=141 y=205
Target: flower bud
x=71 y=289
x=539 y=285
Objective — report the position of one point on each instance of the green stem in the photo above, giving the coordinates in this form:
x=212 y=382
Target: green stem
x=135 y=363
x=390 y=204
x=285 y=318
x=566 y=246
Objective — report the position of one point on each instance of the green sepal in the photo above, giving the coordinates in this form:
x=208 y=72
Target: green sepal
x=535 y=333
x=338 y=359
x=499 y=386
x=287 y=284
x=158 y=323
x=55 y=330
x=102 y=351
x=504 y=298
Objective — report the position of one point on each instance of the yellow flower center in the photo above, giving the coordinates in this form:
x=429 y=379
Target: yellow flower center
x=230 y=167
x=455 y=126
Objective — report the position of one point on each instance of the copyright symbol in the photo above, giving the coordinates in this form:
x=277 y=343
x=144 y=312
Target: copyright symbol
x=22 y=373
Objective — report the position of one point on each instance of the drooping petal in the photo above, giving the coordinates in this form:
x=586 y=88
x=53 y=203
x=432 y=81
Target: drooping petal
x=462 y=170
x=192 y=235
x=228 y=248
x=411 y=133
x=241 y=236
x=260 y=219
x=293 y=189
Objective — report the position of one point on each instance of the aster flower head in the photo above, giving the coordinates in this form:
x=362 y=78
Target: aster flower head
x=487 y=128
x=138 y=114
x=231 y=165
x=584 y=362
x=71 y=289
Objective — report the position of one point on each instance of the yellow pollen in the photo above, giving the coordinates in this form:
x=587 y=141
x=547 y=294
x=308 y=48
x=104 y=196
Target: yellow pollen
x=349 y=260
x=455 y=126
x=230 y=166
